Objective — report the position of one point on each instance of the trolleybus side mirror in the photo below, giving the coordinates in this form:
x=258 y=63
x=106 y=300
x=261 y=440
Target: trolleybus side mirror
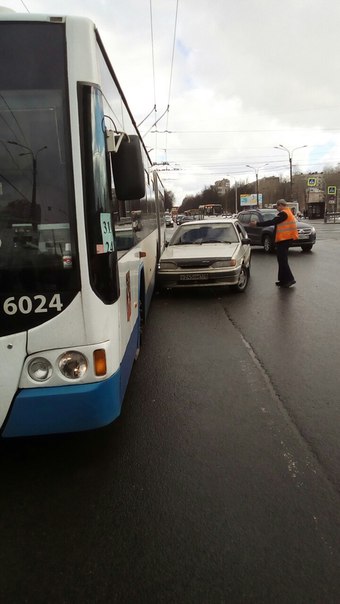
x=128 y=170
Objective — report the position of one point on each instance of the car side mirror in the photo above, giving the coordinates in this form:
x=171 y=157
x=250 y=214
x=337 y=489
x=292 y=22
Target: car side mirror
x=245 y=241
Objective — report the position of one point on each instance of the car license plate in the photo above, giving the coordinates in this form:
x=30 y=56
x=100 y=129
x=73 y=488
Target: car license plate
x=303 y=236
x=196 y=277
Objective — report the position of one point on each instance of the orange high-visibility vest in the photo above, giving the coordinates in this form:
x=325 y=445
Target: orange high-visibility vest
x=287 y=229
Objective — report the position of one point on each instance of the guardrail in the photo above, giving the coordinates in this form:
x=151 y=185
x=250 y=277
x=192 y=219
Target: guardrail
x=332 y=217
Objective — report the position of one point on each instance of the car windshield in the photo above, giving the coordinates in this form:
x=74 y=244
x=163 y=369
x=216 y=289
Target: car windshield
x=268 y=215
x=200 y=234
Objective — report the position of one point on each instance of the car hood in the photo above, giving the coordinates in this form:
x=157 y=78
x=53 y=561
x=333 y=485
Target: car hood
x=205 y=250
x=301 y=224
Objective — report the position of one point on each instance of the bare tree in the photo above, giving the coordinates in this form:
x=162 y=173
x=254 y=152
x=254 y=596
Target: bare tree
x=169 y=200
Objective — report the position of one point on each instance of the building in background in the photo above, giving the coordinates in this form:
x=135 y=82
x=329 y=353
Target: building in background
x=222 y=186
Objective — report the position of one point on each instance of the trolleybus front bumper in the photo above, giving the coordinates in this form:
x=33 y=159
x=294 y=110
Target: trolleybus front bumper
x=63 y=409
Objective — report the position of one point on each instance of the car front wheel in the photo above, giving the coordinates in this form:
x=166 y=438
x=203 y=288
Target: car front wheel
x=268 y=244
x=242 y=280
x=306 y=248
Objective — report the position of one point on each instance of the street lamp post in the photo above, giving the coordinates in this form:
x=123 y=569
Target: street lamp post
x=235 y=196
x=257 y=179
x=235 y=185
x=34 y=178
x=290 y=155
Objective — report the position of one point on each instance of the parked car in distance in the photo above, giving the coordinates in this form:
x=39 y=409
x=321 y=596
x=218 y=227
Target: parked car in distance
x=168 y=220
x=264 y=236
x=179 y=218
x=211 y=252
x=125 y=234
x=187 y=219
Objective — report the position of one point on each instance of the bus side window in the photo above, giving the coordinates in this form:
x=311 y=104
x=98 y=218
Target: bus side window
x=103 y=270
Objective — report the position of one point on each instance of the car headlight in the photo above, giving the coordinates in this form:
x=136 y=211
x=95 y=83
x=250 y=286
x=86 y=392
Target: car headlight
x=224 y=263
x=72 y=364
x=312 y=230
x=167 y=265
x=39 y=369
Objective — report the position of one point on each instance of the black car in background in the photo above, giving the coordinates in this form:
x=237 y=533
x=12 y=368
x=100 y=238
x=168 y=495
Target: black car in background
x=264 y=236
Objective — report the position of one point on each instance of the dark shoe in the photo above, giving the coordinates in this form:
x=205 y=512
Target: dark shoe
x=278 y=283
x=289 y=284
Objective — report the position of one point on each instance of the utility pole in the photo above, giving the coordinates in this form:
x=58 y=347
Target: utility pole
x=290 y=155
x=257 y=180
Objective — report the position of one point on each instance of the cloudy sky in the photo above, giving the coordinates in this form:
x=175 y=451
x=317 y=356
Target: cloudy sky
x=238 y=77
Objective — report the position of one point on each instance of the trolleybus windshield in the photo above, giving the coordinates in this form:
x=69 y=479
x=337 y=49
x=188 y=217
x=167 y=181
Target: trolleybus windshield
x=38 y=261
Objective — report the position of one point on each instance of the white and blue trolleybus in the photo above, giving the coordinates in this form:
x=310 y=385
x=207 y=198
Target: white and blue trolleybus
x=81 y=228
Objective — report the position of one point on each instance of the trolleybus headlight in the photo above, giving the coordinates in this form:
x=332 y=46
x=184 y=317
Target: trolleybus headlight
x=73 y=365
x=40 y=369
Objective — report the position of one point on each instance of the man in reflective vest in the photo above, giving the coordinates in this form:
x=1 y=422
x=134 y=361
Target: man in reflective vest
x=285 y=232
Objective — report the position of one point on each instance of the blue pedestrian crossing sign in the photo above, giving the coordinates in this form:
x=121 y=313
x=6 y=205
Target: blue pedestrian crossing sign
x=331 y=190
x=311 y=182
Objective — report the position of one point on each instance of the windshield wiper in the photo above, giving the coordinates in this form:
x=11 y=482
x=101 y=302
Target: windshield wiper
x=215 y=241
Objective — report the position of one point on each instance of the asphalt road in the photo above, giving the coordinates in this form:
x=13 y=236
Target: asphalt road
x=220 y=481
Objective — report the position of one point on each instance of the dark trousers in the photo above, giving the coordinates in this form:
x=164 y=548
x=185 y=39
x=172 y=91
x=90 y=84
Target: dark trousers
x=285 y=275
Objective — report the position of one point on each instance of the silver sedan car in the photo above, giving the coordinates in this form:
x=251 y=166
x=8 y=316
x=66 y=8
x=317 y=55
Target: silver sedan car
x=210 y=252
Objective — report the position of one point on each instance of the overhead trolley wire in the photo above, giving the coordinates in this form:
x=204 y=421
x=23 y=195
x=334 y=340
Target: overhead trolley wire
x=142 y=122
x=171 y=72
x=154 y=109
x=170 y=79
x=153 y=57
x=23 y=3
x=155 y=131
x=308 y=128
